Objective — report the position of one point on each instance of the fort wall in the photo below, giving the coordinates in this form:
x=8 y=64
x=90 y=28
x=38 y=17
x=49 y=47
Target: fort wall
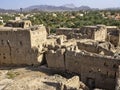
x=94 y=70
x=55 y=59
x=100 y=70
x=67 y=31
x=38 y=36
x=101 y=33
x=19 y=47
x=114 y=37
x=88 y=46
x=104 y=48
x=98 y=32
x=14 y=46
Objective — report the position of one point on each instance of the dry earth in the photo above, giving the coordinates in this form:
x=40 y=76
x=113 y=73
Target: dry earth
x=36 y=78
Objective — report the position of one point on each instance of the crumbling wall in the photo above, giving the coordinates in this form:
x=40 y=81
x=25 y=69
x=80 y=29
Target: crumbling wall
x=113 y=37
x=96 y=71
x=104 y=48
x=98 y=32
x=66 y=31
x=88 y=32
x=111 y=28
x=88 y=45
x=38 y=36
x=55 y=59
x=21 y=47
x=99 y=70
x=101 y=33
x=114 y=40
x=14 y=46
x=19 y=23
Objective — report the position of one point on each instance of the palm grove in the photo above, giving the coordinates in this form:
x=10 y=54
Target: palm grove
x=75 y=19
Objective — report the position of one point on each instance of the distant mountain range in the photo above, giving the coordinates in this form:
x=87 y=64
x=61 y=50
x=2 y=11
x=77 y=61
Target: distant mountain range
x=50 y=8
x=67 y=7
x=7 y=11
x=115 y=8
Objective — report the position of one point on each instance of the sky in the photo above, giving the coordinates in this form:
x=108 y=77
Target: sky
x=16 y=4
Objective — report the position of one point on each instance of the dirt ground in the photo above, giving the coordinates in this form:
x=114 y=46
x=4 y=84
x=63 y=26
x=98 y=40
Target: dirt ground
x=14 y=75
x=36 y=78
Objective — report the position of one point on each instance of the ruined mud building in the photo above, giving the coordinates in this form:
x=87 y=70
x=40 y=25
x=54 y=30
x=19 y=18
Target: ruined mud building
x=18 y=23
x=87 y=52
x=20 y=46
x=94 y=57
x=87 y=32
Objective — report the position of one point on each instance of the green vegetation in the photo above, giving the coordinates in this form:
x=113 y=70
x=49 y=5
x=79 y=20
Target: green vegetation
x=7 y=17
x=1 y=23
x=72 y=19
x=11 y=74
x=75 y=19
